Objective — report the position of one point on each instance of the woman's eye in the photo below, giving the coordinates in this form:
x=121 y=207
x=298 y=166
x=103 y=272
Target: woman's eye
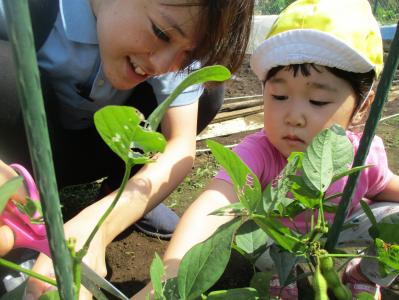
x=159 y=33
x=279 y=98
x=318 y=103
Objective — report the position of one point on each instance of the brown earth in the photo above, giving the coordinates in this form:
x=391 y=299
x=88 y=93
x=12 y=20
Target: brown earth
x=130 y=255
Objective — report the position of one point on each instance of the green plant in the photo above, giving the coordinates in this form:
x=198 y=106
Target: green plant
x=300 y=188
x=135 y=141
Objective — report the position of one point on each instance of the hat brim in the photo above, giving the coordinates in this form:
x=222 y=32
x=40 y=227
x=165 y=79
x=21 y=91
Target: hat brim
x=307 y=46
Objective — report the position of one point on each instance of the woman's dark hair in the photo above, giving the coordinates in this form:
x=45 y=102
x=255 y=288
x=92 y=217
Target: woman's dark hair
x=226 y=25
x=360 y=82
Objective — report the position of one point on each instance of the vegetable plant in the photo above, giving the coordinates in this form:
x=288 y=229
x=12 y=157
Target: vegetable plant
x=258 y=217
x=136 y=141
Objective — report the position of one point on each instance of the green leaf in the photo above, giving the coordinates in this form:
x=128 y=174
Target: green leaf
x=261 y=282
x=51 y=295
x=119 y=127
x=8 y=189
x=236 y=294
x=235 y=209
x=170 y=290
x=245 y=182
x=284 y=262
x=341 y=150
x=388 y=254
x=157 y=271
x=203 y=264
x=16 y=294
x=317 y=164
x=348 y=172
x=30 y=209
x=280 y=234
x=386 y=229
x=211 y=73
x=251 y=239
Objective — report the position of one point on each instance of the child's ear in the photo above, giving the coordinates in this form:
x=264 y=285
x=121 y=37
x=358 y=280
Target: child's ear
x=361 y=114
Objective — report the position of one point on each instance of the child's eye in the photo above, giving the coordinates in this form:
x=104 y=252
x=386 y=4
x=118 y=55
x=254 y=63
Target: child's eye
x=159 y=33
x=318 y=103
x=279 y=98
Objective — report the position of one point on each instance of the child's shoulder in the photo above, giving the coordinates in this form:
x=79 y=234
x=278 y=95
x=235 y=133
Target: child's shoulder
x=355 y=137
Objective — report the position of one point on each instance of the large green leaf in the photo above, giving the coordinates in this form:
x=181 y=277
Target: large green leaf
x=8 y=189
x=203 y=264
x=245 y=182
x=211 y=73
x=236 y=294
x=251 y=239
x=317 y=165
x=119 y=127
x=157 y=271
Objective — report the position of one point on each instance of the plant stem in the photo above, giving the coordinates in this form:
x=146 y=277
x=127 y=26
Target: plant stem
x=82 y=252
x=28 y=272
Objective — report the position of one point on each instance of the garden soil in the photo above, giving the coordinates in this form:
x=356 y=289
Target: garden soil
x=130 y=255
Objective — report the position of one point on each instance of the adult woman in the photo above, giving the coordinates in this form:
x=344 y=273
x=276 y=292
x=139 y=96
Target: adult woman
x=121 y=52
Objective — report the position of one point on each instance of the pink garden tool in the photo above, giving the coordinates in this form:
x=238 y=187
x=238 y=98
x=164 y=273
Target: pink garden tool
x=27 y=235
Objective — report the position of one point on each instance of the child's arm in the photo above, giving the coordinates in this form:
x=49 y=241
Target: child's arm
x=195 y=226
x=391 y=191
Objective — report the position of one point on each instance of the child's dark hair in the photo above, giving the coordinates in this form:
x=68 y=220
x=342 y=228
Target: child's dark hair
x=360 y=82
x=227 y=25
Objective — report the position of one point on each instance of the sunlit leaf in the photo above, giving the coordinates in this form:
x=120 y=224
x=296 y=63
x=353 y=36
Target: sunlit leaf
x=203 y=264
x=8 y=189
x=236 y=294
x=341 y=149
x=120 y=128
x=281 y=234
x=51 y=295
x=157 y=271
x=317 y=165
x=388 y=254
x=211 y=73
x=245 y=182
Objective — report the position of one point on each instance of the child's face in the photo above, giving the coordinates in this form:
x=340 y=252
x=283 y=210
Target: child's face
x=142 y=38
x=298 y=108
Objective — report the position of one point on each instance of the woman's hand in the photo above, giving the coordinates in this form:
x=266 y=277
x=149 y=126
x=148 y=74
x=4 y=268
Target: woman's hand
x=6 y=234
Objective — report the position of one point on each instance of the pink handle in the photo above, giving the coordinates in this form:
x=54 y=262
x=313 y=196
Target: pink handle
x=33 y=193
x=24 y=236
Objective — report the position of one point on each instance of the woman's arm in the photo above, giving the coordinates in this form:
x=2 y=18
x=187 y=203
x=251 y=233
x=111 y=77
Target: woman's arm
x=146 y=189
x=391 y=191
x=195 y=226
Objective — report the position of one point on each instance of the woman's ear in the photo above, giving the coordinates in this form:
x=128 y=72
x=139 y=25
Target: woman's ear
x=362 y=112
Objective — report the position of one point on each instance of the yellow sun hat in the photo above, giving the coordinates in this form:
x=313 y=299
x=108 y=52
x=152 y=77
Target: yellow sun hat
x=336 y=33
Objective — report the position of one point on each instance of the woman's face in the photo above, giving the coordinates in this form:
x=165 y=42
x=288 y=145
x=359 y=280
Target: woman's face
x=297 y=108
x=142 y=38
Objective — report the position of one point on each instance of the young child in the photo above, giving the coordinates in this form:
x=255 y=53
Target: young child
x=317 y=65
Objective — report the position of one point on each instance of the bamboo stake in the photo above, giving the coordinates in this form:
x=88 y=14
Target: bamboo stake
x=31 y=98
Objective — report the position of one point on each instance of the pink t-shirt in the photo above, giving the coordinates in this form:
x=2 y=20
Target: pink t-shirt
x=267 y=162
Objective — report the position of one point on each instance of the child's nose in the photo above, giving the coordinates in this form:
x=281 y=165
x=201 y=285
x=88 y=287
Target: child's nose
x=166 y=59
x=295 y=118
